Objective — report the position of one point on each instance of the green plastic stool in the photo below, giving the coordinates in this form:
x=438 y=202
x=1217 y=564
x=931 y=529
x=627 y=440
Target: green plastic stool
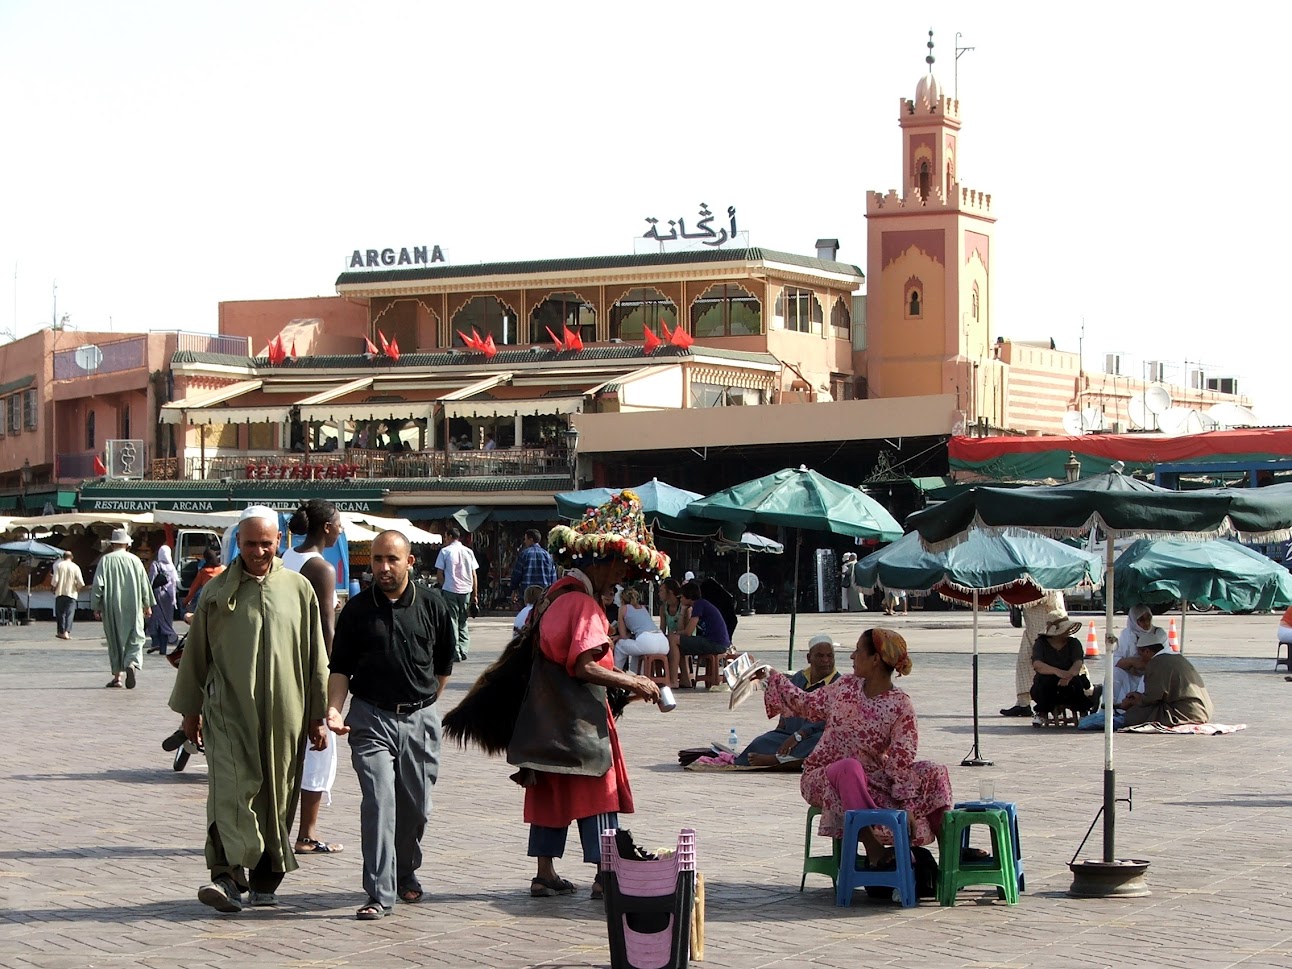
x=818 y=864
x=998 y=870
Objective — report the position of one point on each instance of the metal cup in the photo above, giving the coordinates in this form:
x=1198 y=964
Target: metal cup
x=666 y=702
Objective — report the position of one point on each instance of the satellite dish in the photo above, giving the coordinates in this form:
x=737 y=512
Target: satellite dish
x=1180 y=420
x=747 y=583
x=1072 y=424
x=1157 y=399
x=1092 y=419
x=1232 y=415
x=88 y=357
x=1137 y=412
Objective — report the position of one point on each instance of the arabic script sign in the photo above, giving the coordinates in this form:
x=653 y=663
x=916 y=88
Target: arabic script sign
x=702 y=231
x=383 y=258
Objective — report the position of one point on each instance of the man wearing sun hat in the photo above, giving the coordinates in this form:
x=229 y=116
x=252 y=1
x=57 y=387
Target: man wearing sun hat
x=122 y=598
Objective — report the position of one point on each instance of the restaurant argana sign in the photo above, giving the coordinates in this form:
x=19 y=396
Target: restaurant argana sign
x=384 y=258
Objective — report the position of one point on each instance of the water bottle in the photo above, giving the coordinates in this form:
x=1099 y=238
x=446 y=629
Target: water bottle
x=732 y=740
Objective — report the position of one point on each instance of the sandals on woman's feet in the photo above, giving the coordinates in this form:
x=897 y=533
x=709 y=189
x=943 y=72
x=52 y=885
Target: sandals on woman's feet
x=410 y=892
x=310 y=846
x=547 y=887
x=371 y=910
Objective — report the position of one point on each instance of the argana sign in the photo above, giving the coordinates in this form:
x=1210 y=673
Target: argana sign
x=379 y=258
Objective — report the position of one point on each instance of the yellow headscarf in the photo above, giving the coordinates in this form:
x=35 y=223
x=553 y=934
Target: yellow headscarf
x=891 y=648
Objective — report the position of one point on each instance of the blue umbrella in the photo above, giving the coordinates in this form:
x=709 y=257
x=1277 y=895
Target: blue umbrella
x=663 y=506
x=1019 y=568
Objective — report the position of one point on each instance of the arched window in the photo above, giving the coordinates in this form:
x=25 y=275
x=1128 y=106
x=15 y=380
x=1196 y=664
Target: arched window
x=726 y=309
x=841 y=321
x=561 y=310
x=914 y=305
x=799 y=310
x=640 y=308
x=488 y=315
x=924 y=181
x=89 y=432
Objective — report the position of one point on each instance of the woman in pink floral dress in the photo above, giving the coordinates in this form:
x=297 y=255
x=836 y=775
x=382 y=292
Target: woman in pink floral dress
x=866 y=756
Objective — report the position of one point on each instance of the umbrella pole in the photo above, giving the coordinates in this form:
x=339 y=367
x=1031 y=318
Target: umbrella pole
x=794 y=598
x=30 y=563
x=975 y=758
x=1110 y=775
x=1184 y=614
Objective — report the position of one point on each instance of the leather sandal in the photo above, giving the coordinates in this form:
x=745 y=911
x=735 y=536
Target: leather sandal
x=547 y=887
x=371 y=911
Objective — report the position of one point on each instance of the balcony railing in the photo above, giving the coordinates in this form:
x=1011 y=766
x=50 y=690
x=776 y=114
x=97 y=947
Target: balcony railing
x=238 y=346
x=92 y=359
x=355 y=463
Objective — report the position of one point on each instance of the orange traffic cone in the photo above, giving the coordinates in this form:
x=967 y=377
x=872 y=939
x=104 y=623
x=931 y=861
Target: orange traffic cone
x=1171 y=639
x=1092 y=641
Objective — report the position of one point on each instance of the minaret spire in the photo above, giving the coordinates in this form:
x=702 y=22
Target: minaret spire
x=928 y=58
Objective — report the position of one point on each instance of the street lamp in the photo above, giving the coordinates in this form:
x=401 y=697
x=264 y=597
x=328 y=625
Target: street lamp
x=25 y=474
x=572 y=451
x=1072 y=467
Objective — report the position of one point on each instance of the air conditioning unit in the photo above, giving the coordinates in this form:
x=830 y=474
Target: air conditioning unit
x=1155 y=372
x=1116 y=427
x=1113 y=363
x=1223 y=385
x=1197 y=380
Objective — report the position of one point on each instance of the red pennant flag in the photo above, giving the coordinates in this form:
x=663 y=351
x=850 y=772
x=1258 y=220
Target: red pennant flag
x=680 y=338
x=555 y=339
x=488 y=346
x=573 y=341
x=385 y=346
x=653 y=342
x=369 y=348
x=466 y=340
x=663 y=325
x=99 y=467
x=293 y=354
x=477 y=341
x=277 y=353
x=392 y=351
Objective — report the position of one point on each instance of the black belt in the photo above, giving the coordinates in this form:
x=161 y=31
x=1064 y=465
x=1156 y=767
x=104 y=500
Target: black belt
x=401 y=707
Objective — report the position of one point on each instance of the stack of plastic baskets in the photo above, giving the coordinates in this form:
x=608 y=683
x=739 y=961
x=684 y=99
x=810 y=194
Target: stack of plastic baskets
x=648 y=905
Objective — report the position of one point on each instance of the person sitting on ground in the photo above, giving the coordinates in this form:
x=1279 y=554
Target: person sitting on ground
x=866 y=755
x=532 y=594
x=796 y=737
x=1174 y=693
x=1057 y=657
x=1127 y=675
x=638 y=634
x=704 y=633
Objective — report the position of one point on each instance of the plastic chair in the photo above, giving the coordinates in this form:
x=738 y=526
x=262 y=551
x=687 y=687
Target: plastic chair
x=1011 y=812
x=818 y=864
x=998 y=870
x=656 y=667
x=1280 y=649
x=851 y=877
x=705 y=669
x=648 y=905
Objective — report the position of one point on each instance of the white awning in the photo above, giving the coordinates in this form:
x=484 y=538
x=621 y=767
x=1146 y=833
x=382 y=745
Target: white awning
x=511 y=408
x=322 y=397
x=170 y=413
x=418 y=536
x=226 y=415
x=417 y=410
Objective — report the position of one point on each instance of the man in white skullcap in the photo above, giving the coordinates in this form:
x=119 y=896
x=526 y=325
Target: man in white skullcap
x=122 y=598
x=252 y=685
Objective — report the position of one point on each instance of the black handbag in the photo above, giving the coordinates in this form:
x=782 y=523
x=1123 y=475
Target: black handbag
x=562 y=727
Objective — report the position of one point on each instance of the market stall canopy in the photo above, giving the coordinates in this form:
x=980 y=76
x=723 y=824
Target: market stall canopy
x=1222 y=575
x=77 y=521
x=32 y=549
x=666 y=509
x=749 y=542
x=1018 y=568
x=379 y=523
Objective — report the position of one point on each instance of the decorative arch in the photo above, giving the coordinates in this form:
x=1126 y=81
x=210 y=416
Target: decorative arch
x=489 y=316
x=841 y=319
x=975 y=302
x=638 y=308
x=556 y=310
x=799 y=310
x=726 y=309
x=913 y=302
x=401 y=319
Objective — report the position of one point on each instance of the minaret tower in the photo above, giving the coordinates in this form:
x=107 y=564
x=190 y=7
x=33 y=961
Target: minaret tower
x=928 y=261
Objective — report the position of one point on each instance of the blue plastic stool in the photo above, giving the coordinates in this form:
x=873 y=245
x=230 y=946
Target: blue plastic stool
x=902 y=877
x=1011 y=812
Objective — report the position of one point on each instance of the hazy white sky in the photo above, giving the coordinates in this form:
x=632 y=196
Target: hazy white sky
x=161 y=157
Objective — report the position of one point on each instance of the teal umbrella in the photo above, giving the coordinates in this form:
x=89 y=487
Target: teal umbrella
x=1120 y=506
x=31 y=550
x=798 y=498
x=1018 y=568
x=1224 y=575
x=664 y=507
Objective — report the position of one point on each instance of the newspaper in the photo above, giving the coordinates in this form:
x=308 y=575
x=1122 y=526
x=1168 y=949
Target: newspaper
x=745 y=683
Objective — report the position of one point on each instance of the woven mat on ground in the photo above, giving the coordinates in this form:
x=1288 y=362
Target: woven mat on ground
x=732 y=768
x=1208 y=729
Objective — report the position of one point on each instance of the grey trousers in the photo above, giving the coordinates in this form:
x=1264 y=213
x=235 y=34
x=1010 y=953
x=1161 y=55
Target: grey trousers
x=459 y=604
x=64 y=612
x=1023 y=674
x=397 y=759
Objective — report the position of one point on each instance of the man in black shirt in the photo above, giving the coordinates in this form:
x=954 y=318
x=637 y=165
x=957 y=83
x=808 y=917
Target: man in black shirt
x=393 y=649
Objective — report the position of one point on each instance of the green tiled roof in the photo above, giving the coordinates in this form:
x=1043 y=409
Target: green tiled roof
x=443 y=271
x=461 y=357
x=18 y=384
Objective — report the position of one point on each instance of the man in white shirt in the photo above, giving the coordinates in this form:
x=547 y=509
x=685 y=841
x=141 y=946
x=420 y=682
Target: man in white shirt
x=68 y=583
x=456 y=571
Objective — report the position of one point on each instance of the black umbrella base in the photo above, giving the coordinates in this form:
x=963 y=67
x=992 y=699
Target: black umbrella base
x=1123 y=878
x=975 y=762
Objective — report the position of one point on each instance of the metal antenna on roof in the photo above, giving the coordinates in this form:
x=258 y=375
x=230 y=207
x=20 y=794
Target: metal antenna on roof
x=956 y=67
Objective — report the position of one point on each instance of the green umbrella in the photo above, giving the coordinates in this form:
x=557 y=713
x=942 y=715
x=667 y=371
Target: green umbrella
x=1018 y=568
x=1120 y=506
x=664 y=507
x=798 y=498
x=1223 y=575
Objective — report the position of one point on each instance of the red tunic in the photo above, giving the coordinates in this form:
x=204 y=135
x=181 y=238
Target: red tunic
x=574 y=624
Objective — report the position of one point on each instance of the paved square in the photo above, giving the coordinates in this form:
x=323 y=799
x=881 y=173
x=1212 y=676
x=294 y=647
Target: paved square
x=101 y=843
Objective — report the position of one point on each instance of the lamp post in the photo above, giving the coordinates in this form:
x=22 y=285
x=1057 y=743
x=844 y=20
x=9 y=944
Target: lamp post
x=25 y=477
x=572 y=452
x=1072 y=467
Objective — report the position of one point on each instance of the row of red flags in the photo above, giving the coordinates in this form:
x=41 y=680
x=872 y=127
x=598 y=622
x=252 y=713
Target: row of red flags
x=389 y=347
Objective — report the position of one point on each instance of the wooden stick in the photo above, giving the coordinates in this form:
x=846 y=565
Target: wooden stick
x=697 y=920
